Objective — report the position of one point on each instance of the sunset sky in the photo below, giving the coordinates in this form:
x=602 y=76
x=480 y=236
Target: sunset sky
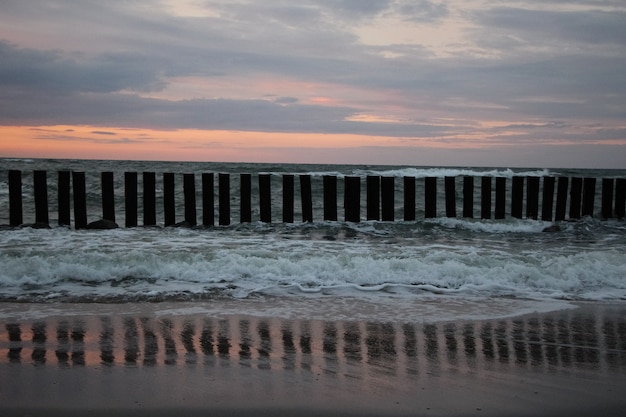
x=472 y=82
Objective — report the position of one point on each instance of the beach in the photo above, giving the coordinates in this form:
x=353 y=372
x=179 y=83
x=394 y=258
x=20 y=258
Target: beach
x=188 y=359
x=445 y=316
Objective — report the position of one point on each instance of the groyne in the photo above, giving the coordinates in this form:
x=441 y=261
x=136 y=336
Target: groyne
x=373 y=198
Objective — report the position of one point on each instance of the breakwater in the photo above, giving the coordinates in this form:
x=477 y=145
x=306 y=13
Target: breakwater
x=376 y=198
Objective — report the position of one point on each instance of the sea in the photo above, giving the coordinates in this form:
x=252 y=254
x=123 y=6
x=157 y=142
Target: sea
x=430 y=269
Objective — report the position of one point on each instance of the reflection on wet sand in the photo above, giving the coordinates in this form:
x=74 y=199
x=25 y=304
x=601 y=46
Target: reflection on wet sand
x=14 y=336
x=107 y=341
x=289 y=347
x=566 y=340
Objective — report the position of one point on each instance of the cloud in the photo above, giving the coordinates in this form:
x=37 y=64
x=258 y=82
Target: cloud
x=422 y=11
x=100 y=132
x=540 y=70
x=52 y=136
x=556 y=27
x=126 y=110
x=356 y=9
x=285 y=100
x=557 y=125
x=53 y=71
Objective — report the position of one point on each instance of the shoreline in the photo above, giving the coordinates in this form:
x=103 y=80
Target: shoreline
x=314 y=306
x=144 y=362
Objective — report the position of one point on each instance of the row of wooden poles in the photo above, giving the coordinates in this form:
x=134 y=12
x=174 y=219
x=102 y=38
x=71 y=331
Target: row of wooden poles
x=380 y=198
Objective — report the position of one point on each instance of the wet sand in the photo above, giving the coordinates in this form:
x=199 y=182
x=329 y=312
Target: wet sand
x=142 y=360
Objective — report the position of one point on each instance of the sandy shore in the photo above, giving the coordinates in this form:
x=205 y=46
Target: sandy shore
x=145 y=360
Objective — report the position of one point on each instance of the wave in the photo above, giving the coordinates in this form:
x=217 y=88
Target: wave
x=421 y=172
x=24 y=160
x=167 y=264
x=453 y=172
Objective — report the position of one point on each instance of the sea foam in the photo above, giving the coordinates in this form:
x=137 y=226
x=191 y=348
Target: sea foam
x=153 y=263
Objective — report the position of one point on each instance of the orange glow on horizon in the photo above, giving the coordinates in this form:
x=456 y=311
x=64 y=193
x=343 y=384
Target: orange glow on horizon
x=114 y=143
x=97 y=142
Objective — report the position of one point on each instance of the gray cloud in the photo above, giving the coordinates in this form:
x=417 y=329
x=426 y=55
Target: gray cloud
x=546 y=26
x=540 y=70
x=55 y=136
x=51 y=70
x=125 y=110
x=285 y=100
x=102 y=132
x=422 y=11
x=355 y=9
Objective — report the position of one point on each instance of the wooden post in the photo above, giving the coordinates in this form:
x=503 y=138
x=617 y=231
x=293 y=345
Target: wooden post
x=130 y=198
x=16 y=216
x=305 y=196
x=607 y=197
x=575 y=196
x=288 y=198
x=388 y=197
x=373 y=197
x=532 y=198
x=40 y=180
x=620 y=194
x=430 y=197
x=265 y=197
x=149 y=199
x=500 y=198
x=245 y=211
x=208 y=200
x=589 y=195
x=409 y=198
x=169 y=199
x=330 y=198
x=352 y=199
x=547 y=199
x=468 y=197
x=64 y=198
x=80 y=200
x=517 y=197
x=561 y=199
x=450 y=190
x=189 y=191
x=108 y=196
x=485 y=198
x=224 y=199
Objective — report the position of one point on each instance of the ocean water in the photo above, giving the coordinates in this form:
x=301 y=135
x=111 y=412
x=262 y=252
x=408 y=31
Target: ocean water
x=402 y=263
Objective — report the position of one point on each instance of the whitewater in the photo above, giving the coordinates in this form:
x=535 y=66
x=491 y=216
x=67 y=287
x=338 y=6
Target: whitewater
x=441 y=259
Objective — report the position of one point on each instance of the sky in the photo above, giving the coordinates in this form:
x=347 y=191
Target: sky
x=399 y=82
